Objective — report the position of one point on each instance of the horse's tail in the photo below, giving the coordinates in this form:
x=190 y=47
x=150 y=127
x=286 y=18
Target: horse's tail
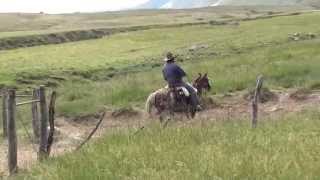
x=150 y=102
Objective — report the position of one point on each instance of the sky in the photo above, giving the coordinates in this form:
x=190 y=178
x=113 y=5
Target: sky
x=66 y=6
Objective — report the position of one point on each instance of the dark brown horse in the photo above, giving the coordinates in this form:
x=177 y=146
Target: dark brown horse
x=202 y=84
x=163 y=99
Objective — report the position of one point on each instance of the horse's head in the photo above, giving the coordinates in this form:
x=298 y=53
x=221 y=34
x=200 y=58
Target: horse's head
x=202 y=83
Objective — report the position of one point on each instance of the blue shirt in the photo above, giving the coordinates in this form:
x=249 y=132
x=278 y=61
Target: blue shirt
x=173 y=74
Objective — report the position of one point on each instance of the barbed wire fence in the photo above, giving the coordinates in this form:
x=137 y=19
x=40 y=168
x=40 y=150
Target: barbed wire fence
x=17 y=110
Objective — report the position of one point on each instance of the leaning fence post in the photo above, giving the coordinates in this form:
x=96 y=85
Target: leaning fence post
x=43 y=154
x=12 y=134
x=4 y=113
x=51 y=121
x=255 y=101
x=35 y=115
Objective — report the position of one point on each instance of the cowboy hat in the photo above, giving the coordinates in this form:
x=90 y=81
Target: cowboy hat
x=169 y=57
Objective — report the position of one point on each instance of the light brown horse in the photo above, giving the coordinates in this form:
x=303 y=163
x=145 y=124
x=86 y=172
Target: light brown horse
x=161 y=99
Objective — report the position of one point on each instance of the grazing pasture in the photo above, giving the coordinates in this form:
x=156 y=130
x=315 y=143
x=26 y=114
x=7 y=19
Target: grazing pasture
x=21 y=24
x=119 y=71
x=122 y=69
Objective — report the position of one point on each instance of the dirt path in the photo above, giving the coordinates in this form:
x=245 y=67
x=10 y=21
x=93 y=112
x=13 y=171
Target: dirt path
x=70 y=133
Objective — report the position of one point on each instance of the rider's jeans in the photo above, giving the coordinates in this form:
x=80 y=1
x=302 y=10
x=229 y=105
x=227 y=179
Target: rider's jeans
x=193 y=94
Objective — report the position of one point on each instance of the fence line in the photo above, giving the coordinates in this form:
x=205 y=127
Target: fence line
x=27 y=102
x=255 y=101
x=42 y=154
x=20 y=95
x=12 y=134
x=51 y=121
x=40 y=129
x=4 y=115
x=35 y=115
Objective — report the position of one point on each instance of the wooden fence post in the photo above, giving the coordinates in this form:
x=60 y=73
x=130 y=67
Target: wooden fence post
x=12 y=134
x=4 y=113
x=43 y=154
x=52 y=105
x=35 y=115
x=255 y=102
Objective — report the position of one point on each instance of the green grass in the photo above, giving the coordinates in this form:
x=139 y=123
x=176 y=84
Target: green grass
x=236 y=55
x=287 y=148
x=20 y=24
x=136 y=47
x=29 y=24
x=121 y=70
x=301 y=70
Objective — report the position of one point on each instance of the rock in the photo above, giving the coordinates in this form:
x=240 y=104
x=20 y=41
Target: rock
x=301 y=36
x=213 y=22
x=198 y=47
x=311 y=35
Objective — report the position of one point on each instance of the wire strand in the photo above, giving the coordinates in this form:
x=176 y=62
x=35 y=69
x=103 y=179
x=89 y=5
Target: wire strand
x=26 y=131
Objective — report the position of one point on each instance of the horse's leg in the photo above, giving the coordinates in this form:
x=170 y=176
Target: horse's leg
x=187 y=107
x=187 y=110
x=161 y=118
x=166 y=123
x=188 y=113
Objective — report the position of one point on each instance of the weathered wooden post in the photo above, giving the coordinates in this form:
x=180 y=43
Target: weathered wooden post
x=35 y=115
x=43 y=154
x=12 y=134
x=4 y=113
x=51 y=121
x=255 y=102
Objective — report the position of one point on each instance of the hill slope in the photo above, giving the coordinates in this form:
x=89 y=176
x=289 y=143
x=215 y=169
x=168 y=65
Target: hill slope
x=178 y=4
x=122 y=70
x=270 y=2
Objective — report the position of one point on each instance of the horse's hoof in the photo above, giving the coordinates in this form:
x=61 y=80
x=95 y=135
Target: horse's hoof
x=193 y=114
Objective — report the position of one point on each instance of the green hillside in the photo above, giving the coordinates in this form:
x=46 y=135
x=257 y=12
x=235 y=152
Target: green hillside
x=21 y=24
x=121 y=70
x=129 y=62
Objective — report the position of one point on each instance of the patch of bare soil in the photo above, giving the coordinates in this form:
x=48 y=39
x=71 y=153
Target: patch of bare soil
x=265 y=96
x=300 y=94
x=209 y=103
x=125 y=113
x=71 y=132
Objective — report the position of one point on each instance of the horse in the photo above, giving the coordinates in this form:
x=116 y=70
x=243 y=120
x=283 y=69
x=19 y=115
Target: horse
x=202 y=84
x=165 y=100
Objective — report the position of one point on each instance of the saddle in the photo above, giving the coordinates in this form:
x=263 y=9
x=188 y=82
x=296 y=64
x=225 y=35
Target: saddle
x=179 y=94
x=182 y=90
x=162 y=97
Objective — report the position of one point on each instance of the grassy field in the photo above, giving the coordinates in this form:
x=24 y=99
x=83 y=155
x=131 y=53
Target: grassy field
x=122 y=69
x=20 y=24
x=46 y=23
x=279 y=149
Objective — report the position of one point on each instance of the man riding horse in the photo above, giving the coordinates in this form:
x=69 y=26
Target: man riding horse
x=174 y=75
